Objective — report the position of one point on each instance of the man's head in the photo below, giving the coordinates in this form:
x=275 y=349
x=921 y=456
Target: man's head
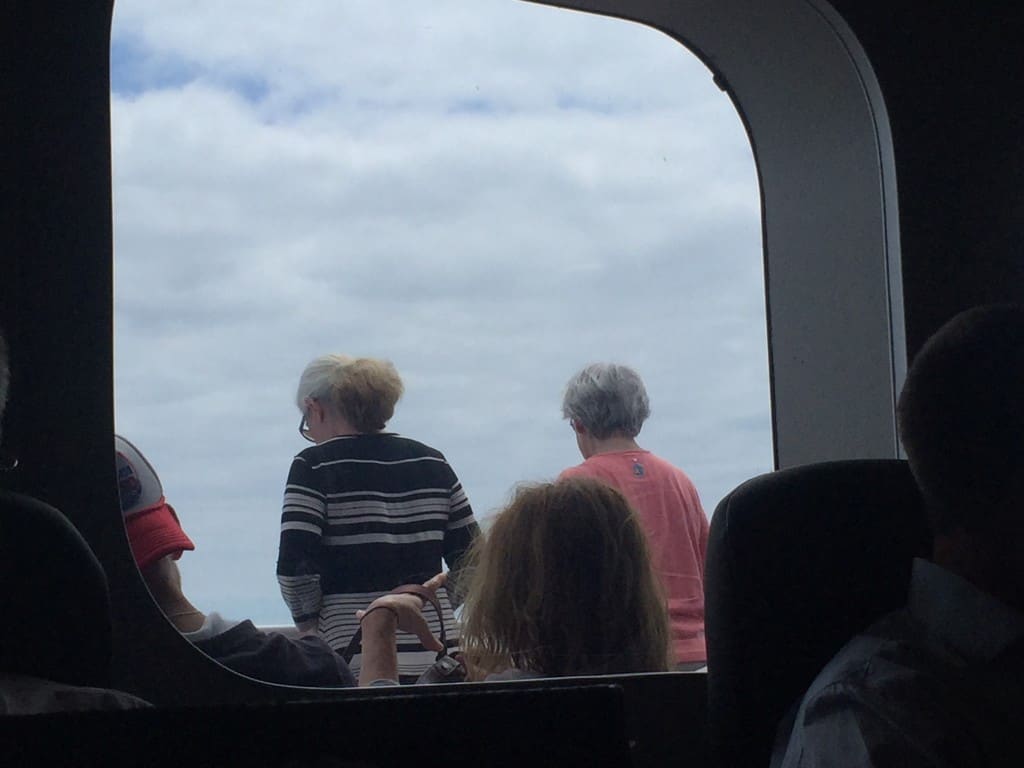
x=961 y=419
x=153 y=528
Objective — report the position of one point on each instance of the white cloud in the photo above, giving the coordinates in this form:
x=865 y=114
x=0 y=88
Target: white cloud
x=407 y=54
x=490 y=194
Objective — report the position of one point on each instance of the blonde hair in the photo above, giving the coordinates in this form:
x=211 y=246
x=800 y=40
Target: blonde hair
x=563 y=585
x=362 y=390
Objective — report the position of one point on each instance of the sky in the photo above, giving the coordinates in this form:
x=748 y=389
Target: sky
x=489 y=193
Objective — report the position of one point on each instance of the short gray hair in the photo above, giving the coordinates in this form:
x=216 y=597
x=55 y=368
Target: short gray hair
x=317 y=378
x=363 y=390
x=607 y=399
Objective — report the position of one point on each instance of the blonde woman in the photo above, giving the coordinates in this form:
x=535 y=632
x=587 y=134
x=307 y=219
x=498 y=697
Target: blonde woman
x=561 y=585
x=365 y=510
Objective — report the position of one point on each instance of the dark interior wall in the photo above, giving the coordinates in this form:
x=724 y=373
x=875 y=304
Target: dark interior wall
x=950 y=73
x=55 y=287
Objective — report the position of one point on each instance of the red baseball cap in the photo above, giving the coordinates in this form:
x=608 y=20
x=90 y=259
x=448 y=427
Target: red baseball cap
x=152 y=525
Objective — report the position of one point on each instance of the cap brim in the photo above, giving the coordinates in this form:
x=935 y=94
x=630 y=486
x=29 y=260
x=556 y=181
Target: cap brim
x=154 y=533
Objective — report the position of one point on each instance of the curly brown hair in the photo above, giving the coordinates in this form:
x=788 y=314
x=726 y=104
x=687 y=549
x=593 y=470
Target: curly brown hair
x=563 y=585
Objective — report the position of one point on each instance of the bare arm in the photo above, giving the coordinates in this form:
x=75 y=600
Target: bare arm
x=380 y=658
x=380 y=621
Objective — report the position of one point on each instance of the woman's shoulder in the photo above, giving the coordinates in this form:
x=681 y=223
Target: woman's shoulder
x=409 y=448
x=380 y=445
x=341 y=444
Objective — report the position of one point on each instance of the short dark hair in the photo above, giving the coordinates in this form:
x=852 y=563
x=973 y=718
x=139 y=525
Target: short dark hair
x=961 y=416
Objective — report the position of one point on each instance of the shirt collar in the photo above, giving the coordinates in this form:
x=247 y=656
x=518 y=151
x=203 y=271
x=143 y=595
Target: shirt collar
x=214 y=624
x=967 y=620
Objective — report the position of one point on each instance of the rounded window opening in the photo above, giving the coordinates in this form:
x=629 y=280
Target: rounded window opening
x=490 y=195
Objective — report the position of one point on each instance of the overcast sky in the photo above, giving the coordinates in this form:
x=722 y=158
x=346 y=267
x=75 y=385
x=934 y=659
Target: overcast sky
x=490 y=193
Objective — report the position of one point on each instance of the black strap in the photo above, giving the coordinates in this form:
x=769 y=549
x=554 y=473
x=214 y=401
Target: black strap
x=427 y=596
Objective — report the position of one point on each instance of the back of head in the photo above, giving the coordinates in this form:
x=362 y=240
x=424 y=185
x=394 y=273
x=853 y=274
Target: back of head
x=562 y=585
x=608 y=399
x=362 y=390
x=962 y=422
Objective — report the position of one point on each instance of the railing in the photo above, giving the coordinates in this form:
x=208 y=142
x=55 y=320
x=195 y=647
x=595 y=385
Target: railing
x=289 y=630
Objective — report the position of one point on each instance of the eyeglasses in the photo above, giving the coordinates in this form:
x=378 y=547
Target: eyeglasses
x=304 y=426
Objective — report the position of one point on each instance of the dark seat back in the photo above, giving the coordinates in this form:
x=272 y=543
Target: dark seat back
x=798 y=562
x=514 y=728
x=53 y=597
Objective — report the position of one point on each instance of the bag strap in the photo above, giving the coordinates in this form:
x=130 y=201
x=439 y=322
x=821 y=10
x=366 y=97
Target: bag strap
x=427 y=596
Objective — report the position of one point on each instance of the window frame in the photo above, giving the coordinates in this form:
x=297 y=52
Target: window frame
x=813 y=110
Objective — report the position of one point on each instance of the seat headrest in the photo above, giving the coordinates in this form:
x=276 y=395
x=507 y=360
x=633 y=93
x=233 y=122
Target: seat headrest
x=798 y=562
x=53 y=597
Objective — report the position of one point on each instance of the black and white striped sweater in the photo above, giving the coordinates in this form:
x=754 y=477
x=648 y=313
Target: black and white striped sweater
x=363 y=514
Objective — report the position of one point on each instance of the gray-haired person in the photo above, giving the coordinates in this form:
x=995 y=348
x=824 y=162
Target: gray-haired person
x=365 y=510
x=606 y=405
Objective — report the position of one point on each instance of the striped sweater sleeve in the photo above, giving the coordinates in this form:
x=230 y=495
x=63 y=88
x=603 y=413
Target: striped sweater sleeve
x=459 y=534
x=303 y=517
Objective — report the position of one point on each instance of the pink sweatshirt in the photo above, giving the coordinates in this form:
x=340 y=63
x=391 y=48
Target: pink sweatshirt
x=677 y=534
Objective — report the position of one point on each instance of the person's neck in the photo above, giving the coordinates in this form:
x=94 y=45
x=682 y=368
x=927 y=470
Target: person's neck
x=982 y=565
x=614 y=444
x=183 y=615
x=339 y=426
